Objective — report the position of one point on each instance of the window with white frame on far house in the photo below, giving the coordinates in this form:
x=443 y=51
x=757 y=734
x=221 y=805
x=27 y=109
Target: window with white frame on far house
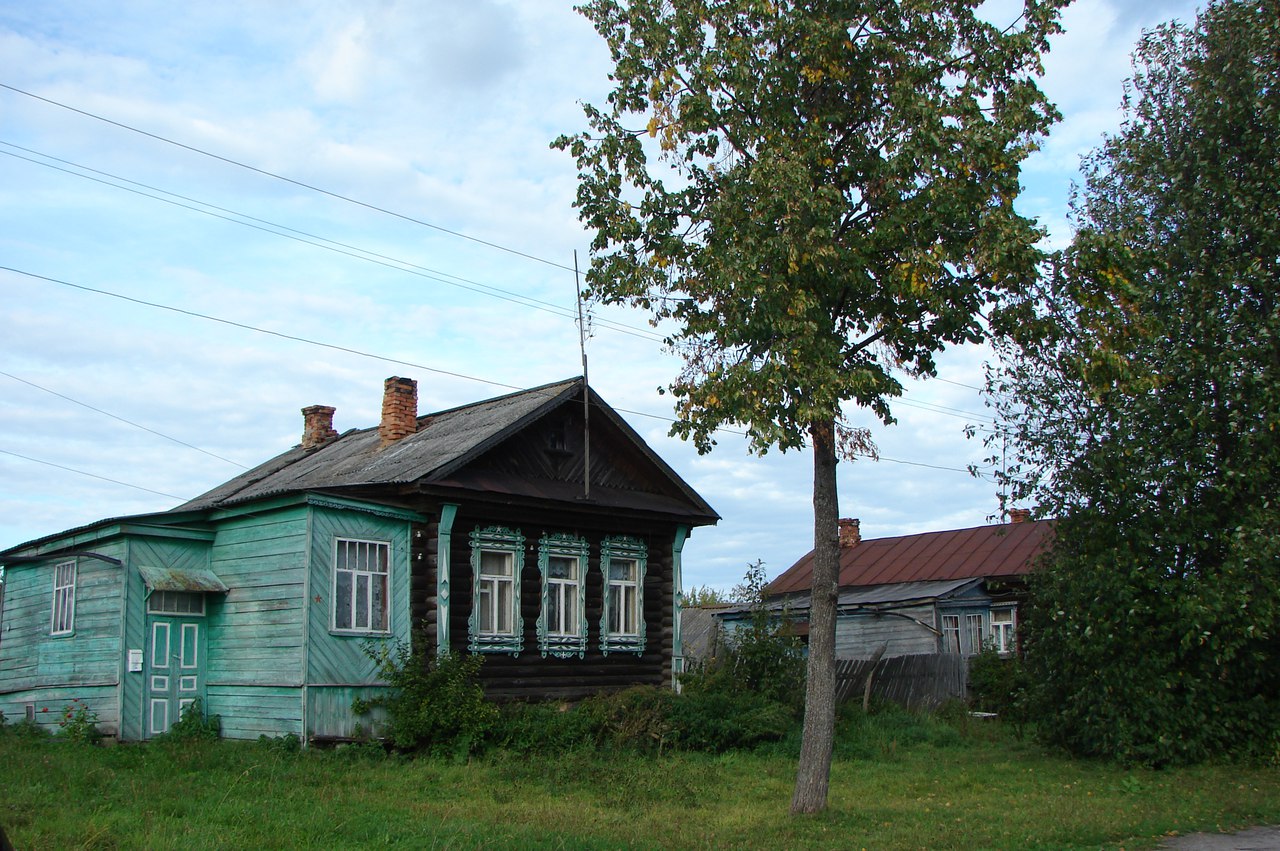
x=64 y=598
x=361 y=585
x=622 y=627
x=497 y=560
x=1003 y=628
x=562 y=629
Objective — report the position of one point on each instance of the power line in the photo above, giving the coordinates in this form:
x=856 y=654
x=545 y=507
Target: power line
x=123 y=420
x=91 y=475
x=245 y=220
x=348 y=350
x=290 y=180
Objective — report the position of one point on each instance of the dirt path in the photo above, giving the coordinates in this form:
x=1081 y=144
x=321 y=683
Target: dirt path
x=1253 y=839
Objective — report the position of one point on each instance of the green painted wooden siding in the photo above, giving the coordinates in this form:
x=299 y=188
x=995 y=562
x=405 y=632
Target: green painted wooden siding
x=256 y=629
x=49 y=703
x=32 y=658
x=247 y=711
x=335 y=657
x=329 y=712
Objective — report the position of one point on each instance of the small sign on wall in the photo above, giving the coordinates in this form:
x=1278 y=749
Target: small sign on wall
x=135 y=661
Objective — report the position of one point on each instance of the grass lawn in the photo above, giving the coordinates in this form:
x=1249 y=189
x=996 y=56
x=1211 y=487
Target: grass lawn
x=896 y=783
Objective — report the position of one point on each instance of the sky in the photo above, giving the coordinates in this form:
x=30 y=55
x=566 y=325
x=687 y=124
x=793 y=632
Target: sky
x=215 y=214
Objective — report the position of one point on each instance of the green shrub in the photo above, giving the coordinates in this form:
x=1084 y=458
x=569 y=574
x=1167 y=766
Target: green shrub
x=435 y=702
x=637 y=718
x=999 y=684
x=553 y=727
x=762 y=656
x=716 y=722
x=193 y=725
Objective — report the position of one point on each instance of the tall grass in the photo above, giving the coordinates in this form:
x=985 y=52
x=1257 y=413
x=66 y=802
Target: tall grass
x=898 y=781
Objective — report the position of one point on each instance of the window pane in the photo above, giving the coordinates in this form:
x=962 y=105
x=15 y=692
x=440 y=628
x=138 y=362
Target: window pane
x=622 y=569
x=495 y=564
x=379 y=614
x=362 y=600
x=570 y=610
x=342 y=601
x=486 y=606
x=555 y=609
x=560 y=567
x=615 y=608
x=629 y=610
x=341 y=561
x=504 y=607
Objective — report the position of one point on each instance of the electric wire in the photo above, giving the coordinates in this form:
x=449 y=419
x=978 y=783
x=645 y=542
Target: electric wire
x=266 y=226
x=370 y=355
x=336 y=195
x=123 y=420
x=91 y=475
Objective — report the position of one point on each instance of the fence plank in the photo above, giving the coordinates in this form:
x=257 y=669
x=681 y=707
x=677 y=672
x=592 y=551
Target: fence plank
x=922 y=681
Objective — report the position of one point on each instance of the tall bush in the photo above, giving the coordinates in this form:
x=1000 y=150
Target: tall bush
x=435 y=702
x=762 y=656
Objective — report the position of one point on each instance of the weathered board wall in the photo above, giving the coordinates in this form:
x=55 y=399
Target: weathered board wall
x=256 y=631
x=48 y=671
x=905 y=630
x=339 y=668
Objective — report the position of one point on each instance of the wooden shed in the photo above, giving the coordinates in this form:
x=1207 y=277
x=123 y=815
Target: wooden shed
x=535 y=528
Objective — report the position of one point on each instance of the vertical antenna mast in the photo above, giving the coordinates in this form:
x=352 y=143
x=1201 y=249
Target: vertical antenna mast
x=586 y=387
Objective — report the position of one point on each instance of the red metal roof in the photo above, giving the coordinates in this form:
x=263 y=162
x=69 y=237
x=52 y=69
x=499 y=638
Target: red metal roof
x=1008 y=549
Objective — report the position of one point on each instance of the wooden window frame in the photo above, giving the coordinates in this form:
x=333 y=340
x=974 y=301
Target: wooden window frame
x=1004 y=634
x=506 y=541
x=552 y=641
x=358 y=572
x=623 y=548
x=154 y=608
x=63 y=617
x=950 y=634
x=975 y=638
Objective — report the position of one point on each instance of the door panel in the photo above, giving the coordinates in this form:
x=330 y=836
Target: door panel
x=175 y=673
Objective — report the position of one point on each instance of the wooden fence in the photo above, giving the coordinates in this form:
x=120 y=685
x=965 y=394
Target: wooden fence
x=921 y=682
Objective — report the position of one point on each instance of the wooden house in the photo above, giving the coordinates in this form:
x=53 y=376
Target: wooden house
x=535 y=528
x=936 y=592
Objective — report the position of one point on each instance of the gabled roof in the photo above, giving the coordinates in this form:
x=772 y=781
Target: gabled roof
x=1008 y=549
x=444 y=443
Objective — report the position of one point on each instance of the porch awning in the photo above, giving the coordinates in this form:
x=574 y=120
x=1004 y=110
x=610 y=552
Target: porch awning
x=182 y=579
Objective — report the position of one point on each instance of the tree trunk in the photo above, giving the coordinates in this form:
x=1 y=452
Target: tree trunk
x=814 y=771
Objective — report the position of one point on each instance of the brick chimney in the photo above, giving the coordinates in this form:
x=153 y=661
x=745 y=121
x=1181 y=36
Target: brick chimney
x=850 y=532
x=399 y=409
x=317 y=426
x=1019 y=515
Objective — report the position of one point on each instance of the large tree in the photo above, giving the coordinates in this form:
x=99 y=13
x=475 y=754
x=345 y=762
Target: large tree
x=816 y=195
x=1146 y=412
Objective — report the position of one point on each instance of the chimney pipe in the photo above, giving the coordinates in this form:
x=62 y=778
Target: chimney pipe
x=850 y=532
x=1019 y=515
x=317 y=426
x=399 y=409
